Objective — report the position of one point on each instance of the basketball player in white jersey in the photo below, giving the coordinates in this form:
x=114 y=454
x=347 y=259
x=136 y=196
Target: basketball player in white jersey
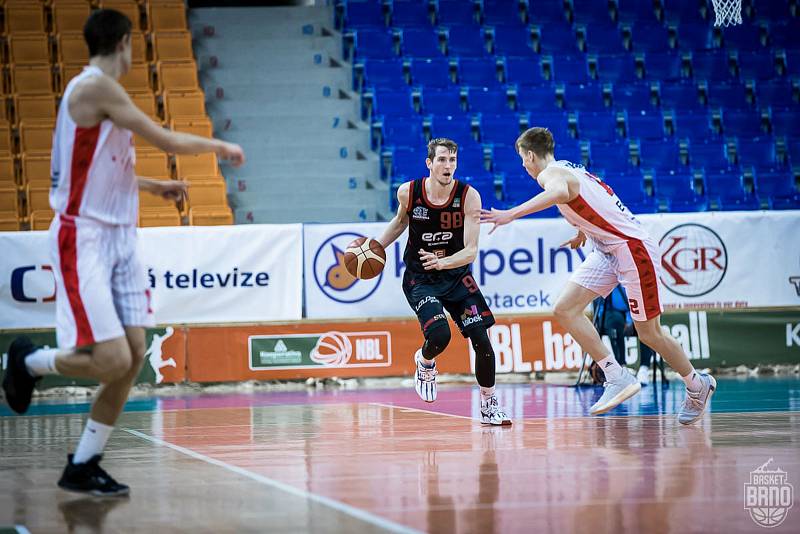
x=102 y=301
x=623 y=253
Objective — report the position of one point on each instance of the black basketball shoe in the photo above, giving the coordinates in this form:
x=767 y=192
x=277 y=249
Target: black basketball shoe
x=18 y=383
x=91 y=478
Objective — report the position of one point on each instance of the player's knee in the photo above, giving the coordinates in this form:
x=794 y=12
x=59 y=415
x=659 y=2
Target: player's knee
x=137 y=354
x=648 y=334
x=562 y=310
x=436 y=340
x=112 y=361
x=480 y=342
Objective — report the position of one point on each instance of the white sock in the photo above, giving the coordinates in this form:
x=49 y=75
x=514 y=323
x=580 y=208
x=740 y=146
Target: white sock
x=41 y=362
x=423 y=360
x=486 y=392
x=692 y=381
x=93 y=441
x=610 y=368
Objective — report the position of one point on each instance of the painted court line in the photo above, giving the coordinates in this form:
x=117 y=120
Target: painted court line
x=21 y=529
x=363 y=515
x=421 y=410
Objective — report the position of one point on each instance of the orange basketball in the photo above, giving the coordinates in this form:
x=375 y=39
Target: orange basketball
x=364 y=258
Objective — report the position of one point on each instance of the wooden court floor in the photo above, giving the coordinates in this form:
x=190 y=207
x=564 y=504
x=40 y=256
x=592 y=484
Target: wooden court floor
x=383 y=461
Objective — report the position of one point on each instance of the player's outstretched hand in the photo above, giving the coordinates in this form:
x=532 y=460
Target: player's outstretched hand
x=576 y=242
x=430 y=261
x=168 y=189
x=231 y=152
x=496 y=217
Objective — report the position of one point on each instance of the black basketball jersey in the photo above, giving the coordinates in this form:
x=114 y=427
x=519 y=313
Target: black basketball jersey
x=438 y=229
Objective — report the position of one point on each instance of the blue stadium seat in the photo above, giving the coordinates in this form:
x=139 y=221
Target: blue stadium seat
x=584 y=97
x=727 y=96
x=455 y=12
x=756 y=65
x=785 y=203
x=543 y=11
x=729 y=191
x=776 y=94
x=373 y=44
x=616 y=69
x=409 y=162
x=557 y=39
x=403 y=132
x=512 y=41
x=420 y=42
x=389 y=101
x=468 y=41
x=661 y=155
x=569 y=69
x=678 y=190
x=693 y=36
x=741 y=123
x=793 y=151
x=569 y=149
x=384 y=72
x=645 y=124
x=693 y=125
x=505 y=159
x=456 y=127
x=597 y=126
x=757 y=152
x=538 y=99
x=773 y=10
x=364 y=15
x=711 y=65
x=649 y=37
x=632 y=97
x=430 y=72
x=557 y=123
x=683 y=10
x=783 y=34
x=471 y=162
x=441 y=101
x=505 y=12
x=590 y=11
x=500 y=129
x=746 y=36
x=488 y=100
x=629 y=11
x=483 y=182
x=775 y=185
x=523 y=71
x=410 y=14
x=601 y=38
x=663 y=67
x=710 y=155
x=793 y=62
x=679 y=96
x=614 y=157
x=478 y=71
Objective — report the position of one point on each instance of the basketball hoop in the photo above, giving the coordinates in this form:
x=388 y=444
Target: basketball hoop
x=728 y=12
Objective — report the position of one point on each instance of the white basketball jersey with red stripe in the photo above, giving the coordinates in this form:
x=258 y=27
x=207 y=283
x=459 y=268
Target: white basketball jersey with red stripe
x=93 y=168
x=598 y=212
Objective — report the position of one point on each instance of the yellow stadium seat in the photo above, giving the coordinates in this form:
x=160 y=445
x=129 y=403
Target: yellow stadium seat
x=137 y=78
x=70 y=17
x=35 y=168
x=130 y=8
x=146 y=101
x=9 y=200
x=204 y=216
x=5 y=138
x=149 y=217
x=29 y=49
x=72 y=48
x=198 y=126
x=9 y=223
x=153 y=165
x=207 y=194
x=41 y=219
x=193 y=165
x=67 y=71
x=35 y=107
x=24 y=17
x=166 y=16
x=38 y=197
x=172 y=46
x=32 y=79
x=8 y=176
x=148 y=200
x=184 y=104
x=36 y=137
x=177 y=76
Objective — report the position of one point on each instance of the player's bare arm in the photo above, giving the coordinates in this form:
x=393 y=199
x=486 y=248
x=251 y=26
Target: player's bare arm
x=465 y=256
x=557 y=190
x=399 y=222
x=101 y=97
x=168 y=189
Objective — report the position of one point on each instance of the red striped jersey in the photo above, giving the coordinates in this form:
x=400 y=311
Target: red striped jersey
x=92 y=169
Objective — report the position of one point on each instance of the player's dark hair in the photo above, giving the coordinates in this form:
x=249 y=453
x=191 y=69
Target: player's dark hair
x=103 y=31
x=537 y=140
x=449 y=144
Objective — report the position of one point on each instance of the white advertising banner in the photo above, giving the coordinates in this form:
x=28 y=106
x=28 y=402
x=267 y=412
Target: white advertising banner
x=219 y=274
x=710 y=260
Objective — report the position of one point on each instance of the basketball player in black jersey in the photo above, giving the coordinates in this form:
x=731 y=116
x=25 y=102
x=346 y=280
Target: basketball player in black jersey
x=442 y=216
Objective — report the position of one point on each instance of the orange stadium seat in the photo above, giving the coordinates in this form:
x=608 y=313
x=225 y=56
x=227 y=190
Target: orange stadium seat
x=38 y=197
x=166 y=16
x=24 y=17
x=32 y=79
x=153 y=165
x=148 y=200
x=36 y=136
x=138 y=48
x=72 y=48
x=143 y=145
x=198 y=126
x=180 y=104
x=5 y=138
x=137 y=78
x=69 y=71
x=128 y=7
x=177 y=76
x=70 y=17
x=149 y=217
x=194 y=165
x=29 y=49
x=9 y=223
x=171 y=46
x=3 y=110
x=41 y=219
x=207 y=194
x=9 y=201
x=36 y=169
x=7 y=174
x=35 y=107
x=146 y=101
x=205 y=216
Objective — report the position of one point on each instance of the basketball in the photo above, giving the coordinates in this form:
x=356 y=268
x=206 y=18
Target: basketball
x=364 y=258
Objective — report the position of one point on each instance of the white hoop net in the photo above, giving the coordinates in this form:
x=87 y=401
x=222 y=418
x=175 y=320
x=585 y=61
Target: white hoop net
x=728 y=12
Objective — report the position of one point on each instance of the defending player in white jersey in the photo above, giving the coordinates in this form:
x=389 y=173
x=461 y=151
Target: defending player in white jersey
x=102 y=300
x=624 y=253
